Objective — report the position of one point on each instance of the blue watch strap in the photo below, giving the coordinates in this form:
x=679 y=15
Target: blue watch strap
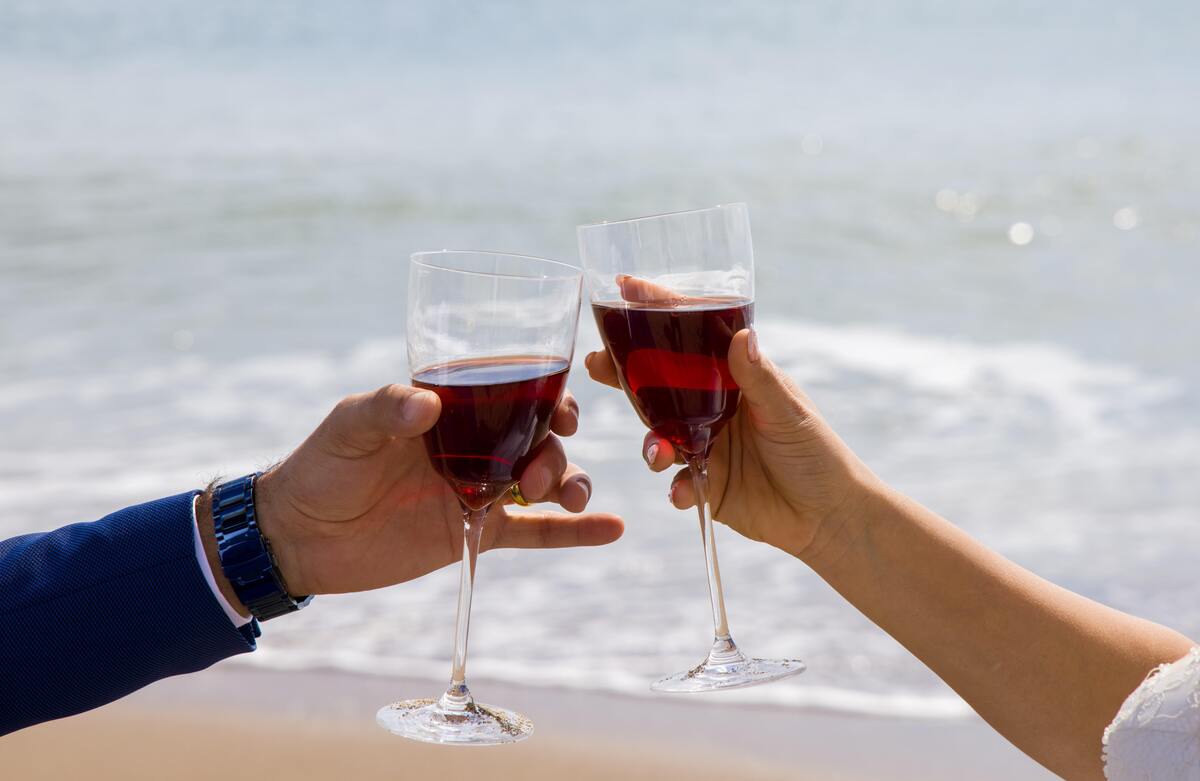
x=245 y=553
x=251 y=632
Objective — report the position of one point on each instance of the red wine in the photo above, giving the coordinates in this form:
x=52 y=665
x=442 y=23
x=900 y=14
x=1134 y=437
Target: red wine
x=494 y=410
x=672 y=364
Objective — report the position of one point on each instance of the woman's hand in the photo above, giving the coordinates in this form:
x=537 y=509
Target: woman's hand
x=358 y=506
x=777 y=472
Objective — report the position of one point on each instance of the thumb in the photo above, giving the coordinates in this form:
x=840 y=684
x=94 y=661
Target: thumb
x=773 y=399
x=363 y=422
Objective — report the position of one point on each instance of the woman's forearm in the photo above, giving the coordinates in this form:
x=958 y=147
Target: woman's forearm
x=1044 y=666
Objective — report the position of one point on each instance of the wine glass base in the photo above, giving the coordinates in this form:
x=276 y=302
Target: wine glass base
x=738 y=674
x=477 y=725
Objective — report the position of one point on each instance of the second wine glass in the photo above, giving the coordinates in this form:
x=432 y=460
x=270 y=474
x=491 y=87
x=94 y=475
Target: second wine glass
x=668 y=293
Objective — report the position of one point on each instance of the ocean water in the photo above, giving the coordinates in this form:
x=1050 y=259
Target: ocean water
x=977 y=232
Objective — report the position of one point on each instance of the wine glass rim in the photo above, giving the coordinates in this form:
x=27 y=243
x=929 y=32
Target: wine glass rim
x=423 y=258
x=717 y=207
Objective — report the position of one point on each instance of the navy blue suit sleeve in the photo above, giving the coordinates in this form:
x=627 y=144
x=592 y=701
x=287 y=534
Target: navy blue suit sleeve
x=93 y=611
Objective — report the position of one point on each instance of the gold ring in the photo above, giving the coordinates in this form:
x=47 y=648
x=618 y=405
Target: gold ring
x=516 y=495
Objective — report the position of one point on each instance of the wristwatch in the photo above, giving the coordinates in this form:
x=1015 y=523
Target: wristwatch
x=245 y=553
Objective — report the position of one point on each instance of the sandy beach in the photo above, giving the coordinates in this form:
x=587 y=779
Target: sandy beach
x=234 y=722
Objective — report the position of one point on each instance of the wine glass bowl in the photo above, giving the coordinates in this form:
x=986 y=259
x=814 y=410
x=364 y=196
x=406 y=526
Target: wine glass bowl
x=672 y=362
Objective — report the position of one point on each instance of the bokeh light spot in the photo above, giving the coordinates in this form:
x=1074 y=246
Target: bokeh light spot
x=1020 y=233
x=1126 y=218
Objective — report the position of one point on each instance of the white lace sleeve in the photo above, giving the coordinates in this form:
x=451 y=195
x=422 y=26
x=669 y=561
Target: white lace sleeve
x=1156 y=734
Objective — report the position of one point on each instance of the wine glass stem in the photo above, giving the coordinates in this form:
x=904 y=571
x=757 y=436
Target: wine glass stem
x=699 y=467
x=458 y=696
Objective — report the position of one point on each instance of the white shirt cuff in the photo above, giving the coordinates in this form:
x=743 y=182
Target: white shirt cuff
x=237 y=618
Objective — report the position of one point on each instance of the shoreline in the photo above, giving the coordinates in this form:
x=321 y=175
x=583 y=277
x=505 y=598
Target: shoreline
x=311 y=724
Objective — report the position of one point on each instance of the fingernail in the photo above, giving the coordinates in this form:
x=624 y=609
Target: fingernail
x=752 y=347
x=573 y=406
x=585 y=483
x=651 y=453
x=587 y=359
x=417 y=406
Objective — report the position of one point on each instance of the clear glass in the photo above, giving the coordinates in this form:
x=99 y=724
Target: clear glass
x=471 y=309
x=668 y=330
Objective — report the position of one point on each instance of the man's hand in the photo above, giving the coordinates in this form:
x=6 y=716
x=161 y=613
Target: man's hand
x=358 y=506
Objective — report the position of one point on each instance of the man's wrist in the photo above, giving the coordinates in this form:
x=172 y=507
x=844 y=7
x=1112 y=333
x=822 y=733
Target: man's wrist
x=272 y=523
x=204 y=522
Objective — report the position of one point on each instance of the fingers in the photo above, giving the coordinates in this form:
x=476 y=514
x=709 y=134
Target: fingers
x=543 y=473
x=552 y=530
x=601 y=368
x=643 y=291
x=549 y=477
x=659 y=453
x=361 y=423
x=683 y=493
x=565 y=420
x=574 y=490
x=773 y=399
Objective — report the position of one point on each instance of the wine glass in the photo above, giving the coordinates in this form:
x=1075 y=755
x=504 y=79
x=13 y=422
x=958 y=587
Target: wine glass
x=493 y=335
x=668 y=293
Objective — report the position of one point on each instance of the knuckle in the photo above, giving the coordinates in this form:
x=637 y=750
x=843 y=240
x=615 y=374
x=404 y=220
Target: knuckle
x=386 y=394
x=553 y=453
x=545 y=533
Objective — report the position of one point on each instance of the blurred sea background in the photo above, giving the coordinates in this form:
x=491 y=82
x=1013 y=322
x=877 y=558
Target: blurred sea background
x=977 y=230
